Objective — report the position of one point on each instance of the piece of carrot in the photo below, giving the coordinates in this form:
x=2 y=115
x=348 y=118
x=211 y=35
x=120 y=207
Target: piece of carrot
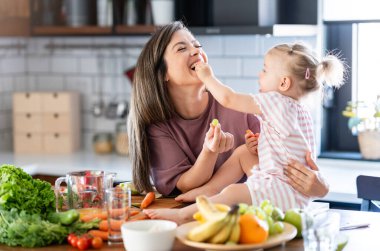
x=99 y=233
x=149 y=198
x=92 y=216
x=103 y=225
x=140 y=216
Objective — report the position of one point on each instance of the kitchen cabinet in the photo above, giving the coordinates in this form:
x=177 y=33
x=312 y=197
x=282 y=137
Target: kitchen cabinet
x=14 y=18
x=57 y=26
x=47 y=18
x=46 y=122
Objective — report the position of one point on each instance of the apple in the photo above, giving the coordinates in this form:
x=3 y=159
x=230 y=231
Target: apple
x=293 y=216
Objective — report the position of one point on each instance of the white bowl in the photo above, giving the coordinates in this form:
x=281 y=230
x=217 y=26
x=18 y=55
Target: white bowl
x=149 y=235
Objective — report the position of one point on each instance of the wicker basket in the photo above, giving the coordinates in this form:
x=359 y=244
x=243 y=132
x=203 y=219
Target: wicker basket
x=369 y=144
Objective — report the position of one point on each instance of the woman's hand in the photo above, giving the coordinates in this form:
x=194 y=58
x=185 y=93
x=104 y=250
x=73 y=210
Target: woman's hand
x=251 y=141
x=218 y=141
x=306 y=181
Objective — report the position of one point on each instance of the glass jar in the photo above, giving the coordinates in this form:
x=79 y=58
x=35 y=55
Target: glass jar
x=121 y=141
x=102 y=143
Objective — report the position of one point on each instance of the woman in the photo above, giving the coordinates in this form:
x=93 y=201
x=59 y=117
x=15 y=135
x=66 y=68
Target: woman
x=170 y=114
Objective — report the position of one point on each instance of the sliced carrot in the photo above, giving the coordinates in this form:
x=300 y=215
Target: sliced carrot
x=140 y=216
x=149 y=198
x=99 y=233
x=133 y=213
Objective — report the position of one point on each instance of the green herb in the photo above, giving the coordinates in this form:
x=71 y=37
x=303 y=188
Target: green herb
x=19 y=190
x=18 y=228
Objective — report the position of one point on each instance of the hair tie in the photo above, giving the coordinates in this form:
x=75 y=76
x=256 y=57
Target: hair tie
x=307 y=73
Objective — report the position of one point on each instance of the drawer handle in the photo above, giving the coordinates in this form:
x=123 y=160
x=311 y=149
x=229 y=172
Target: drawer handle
x=56 y=135
x=28 y=115
x=55 y=95
x=27 y=95
x=28 y=135
x=56 y=115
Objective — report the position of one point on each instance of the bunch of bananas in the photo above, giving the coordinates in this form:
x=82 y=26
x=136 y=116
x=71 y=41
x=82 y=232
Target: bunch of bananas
x=219 y=224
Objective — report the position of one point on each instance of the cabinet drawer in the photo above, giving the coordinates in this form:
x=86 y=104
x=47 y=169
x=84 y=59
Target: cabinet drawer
x=27 y=143
x=57 y=122
x=27 y=102
x=57 y=143
x=57 y=102
x=27 y=122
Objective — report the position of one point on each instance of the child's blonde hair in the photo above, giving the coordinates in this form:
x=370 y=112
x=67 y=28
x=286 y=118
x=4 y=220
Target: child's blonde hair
x=311 y=73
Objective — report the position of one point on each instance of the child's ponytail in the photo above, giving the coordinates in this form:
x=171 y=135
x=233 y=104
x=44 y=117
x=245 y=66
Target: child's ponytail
x=330 y=71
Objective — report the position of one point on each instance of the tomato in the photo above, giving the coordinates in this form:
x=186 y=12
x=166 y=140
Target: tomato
x=74 y=241
x=69 y=237
x=82 y=243
x=97 y=242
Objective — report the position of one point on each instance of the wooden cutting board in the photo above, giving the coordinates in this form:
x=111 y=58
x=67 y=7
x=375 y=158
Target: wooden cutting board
x=160 y=202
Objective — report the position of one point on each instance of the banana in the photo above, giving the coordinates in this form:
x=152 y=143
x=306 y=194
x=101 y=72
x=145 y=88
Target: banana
x=223 y=234
x=208 y=229
x=220 y=207
x=235 y=232
x=207 y=209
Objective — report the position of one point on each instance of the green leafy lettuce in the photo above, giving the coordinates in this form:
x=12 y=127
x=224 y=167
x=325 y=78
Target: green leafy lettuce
x=20 y=191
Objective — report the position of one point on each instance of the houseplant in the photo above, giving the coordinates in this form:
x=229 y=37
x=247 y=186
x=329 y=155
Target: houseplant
x=364 y=121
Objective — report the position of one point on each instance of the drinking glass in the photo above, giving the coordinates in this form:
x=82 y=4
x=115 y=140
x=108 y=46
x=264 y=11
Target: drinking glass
x=118 y=204
x=320 y=230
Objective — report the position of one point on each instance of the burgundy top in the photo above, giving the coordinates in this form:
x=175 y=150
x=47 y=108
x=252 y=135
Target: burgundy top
x=175 y=144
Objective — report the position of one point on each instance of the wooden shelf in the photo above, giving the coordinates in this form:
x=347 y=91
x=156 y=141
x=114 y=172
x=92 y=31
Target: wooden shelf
x=135 y=29
x=67 y=31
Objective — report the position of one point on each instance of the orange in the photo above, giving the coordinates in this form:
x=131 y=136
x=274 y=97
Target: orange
x=252 y=229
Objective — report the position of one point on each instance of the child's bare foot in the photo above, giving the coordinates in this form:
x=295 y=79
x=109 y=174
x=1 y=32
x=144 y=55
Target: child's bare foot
x=167 y=214
x=191 y=195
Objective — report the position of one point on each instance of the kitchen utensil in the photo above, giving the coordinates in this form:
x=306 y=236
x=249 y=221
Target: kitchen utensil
x=85 y=190
x=79 y=13
x=99 y=106
x=111 y=110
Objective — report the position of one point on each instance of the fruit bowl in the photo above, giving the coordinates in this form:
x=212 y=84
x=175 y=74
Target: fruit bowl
x=288 y=234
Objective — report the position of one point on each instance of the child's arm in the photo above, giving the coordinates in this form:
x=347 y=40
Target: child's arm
x=224 y=94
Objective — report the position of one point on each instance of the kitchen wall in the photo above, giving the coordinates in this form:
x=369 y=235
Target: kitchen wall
x=94 y=65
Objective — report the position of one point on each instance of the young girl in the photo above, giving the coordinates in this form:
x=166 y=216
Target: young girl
x=290 y=72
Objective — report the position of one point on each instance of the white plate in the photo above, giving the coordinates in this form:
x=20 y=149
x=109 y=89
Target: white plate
x=289 y=233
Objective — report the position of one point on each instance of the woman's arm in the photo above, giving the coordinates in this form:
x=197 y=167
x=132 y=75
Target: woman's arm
x=306 y=181
x=216 y=141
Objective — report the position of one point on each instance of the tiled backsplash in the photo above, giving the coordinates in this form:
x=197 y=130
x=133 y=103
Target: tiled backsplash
x=94 y=65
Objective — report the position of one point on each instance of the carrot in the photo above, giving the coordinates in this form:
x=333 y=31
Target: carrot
x=133 y=213
x=140 y=216
x=92 y=216
x=99 y=233
x=149 y=198
x=103 y=225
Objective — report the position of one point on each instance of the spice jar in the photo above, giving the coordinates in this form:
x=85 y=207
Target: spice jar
x=121 y=142
x=102 y=143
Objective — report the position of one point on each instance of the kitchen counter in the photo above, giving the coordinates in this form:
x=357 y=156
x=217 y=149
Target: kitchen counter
x=340 y=174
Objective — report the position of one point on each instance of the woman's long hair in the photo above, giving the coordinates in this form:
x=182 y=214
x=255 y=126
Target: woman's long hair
x=150 y=102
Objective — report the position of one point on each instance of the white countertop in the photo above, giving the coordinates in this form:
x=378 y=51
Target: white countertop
x=340 y=174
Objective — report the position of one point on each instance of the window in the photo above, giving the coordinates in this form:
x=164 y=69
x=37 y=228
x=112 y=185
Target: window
x=359 y=44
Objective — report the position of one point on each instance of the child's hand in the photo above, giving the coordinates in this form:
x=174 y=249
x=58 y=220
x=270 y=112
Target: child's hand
x=218 y=141
x=251 y=141
x=203 y=71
